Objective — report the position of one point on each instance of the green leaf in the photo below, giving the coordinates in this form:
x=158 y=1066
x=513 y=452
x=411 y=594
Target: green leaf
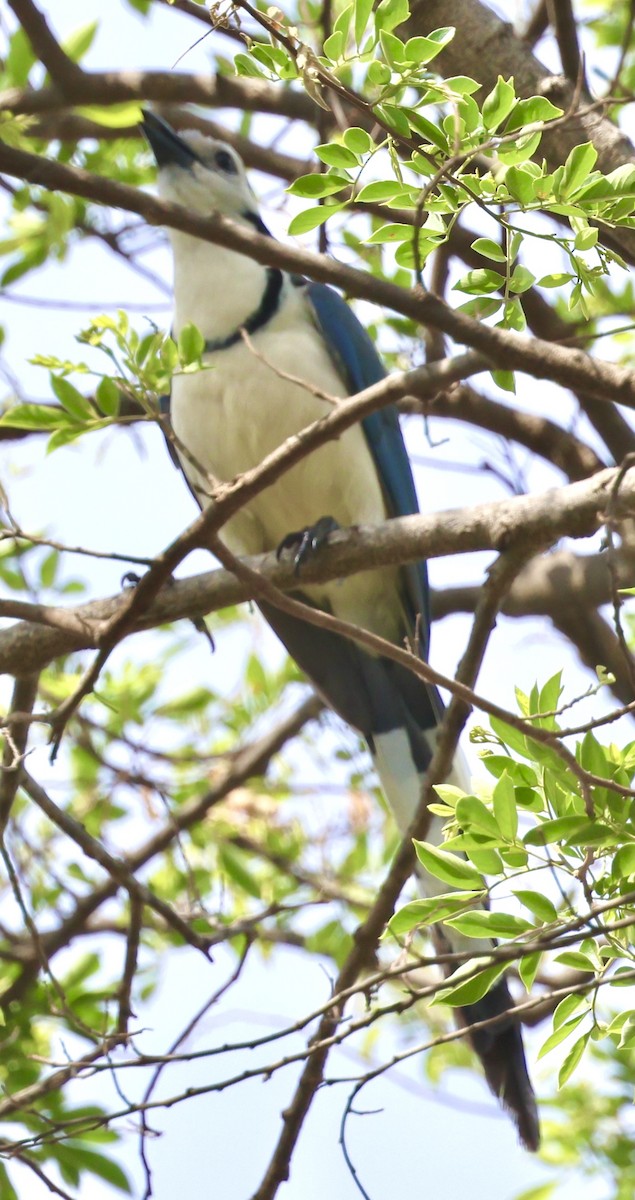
x=505 y=380
x=448 y=867
x=480 y=281
x=449 y=794
x=76 y=405
x=461 y=85
x=380 y=191
x=191 y=344
x=393 y=49
x=511 y=737
x=378 y=74
x=487 y=861
x=63 y=437
x=394 y=117
x=592 y=833
x=7 y=1190
x=431 y=133
x=358 y=140
x=363 y=9
x=542 y=1192
x=567 y=1007
x=520 y=185
x=48 y=569
x=573 y=1058
x=335 y=155
x=98 y=1164
x=622 y=179
x=627 y=1035
x=577 y=169
x=577 y=960
x=623 y=977
x=504 y=805
x=489 y=249
x=624 y=862
x=556 y=830
x=334 y=45
x=78 y=43
x=20 y=58
x=235 y=866
x=424 y=49
x=343 y=23
x=391 y=233
x=532 y=110
x=391 y=13
x=472 y=813
x=538 y=904
x=560 y=1035
x=472 y=989
x=486 y=924
x=312 y=218
x=520 y=150
x=428 y=912
x=112 y=116
x=557 y=279
x=549 y=699
x=481 y=307
x=108 y=396
x=586 y=239
x=37 y=417
x=245 y=65
x=513 y=316
x=315 y=187
x=521 y=280
x=499 y=103
x=528 y=968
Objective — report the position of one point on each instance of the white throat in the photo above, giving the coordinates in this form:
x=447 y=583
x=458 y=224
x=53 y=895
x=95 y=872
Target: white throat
x=215 y=288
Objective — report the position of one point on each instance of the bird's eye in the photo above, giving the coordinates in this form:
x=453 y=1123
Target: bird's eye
x=224 y=161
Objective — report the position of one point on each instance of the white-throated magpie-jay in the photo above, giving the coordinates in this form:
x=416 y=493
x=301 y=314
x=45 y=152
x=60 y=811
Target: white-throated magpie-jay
x=230 y=416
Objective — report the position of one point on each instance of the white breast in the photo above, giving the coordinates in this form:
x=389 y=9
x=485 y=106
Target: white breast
x=230 y=416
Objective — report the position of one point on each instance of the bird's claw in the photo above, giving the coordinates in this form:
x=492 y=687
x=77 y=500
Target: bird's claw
x=305 y=542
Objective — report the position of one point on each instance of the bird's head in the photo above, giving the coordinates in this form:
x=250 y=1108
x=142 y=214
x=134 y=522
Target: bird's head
x=203 y=175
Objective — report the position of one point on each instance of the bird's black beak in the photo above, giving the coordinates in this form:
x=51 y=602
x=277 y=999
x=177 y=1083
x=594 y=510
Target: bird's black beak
x=166 y=145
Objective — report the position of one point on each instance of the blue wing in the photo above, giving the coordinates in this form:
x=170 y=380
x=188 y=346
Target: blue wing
x=359 y=363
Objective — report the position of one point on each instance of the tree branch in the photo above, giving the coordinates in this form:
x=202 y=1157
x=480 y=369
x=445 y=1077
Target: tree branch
x=167 y=87
x=569 y=367
x=45 y=46
x=563 y=21
x=573 y=511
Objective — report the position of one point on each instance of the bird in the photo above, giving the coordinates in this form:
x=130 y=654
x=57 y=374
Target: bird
x=229 y=417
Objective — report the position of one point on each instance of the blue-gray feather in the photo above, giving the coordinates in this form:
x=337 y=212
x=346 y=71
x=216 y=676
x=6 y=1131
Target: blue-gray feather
x=360 y=366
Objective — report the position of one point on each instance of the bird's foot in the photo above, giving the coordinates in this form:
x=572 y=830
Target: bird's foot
x=305 y=542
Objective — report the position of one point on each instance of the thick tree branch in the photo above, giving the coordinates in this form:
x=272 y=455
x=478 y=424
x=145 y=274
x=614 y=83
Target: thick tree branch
x=72 y=127
x=45 y=46
x=577 y=510
x=165 y=87
x=563 y=21
x=15 y=744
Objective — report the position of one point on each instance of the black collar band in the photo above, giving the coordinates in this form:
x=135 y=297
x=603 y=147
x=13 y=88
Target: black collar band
x=256 y=320
x=256 y=220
